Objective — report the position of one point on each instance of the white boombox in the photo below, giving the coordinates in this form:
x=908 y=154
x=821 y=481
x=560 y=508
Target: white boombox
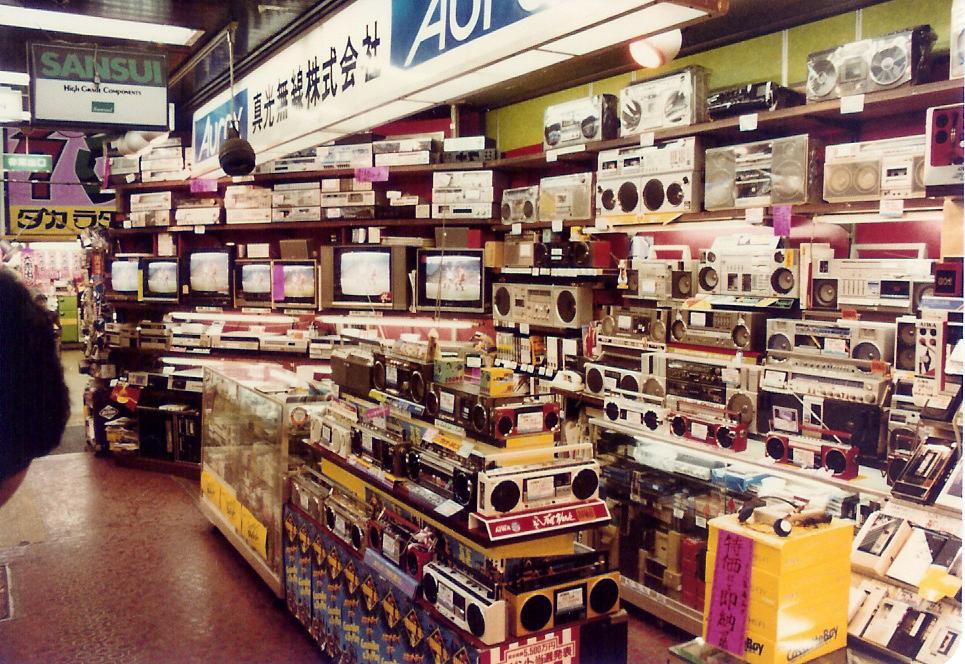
x=664 y=279
x=520 y=204
x=871 y=170
x=581 y=120
x=547 y=306
x=780 y=171
x=852 y=339
x=650 y=416
x=658 y=178
x=869 y=65
x=331 y=432
x=750 y=265
x=944 y=152
x=517 y=488
x=674 y=100
x=566 y=197
x=869 y=283
x=602 y=378
x=466 y=602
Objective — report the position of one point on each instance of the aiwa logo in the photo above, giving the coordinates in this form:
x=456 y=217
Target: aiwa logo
x=425 y=29
x=211 y=130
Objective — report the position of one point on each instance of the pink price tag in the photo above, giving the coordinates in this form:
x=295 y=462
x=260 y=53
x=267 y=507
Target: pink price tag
x=203 y=185
x=727 y=619
x=372 y=174
x=278 y=283
x=781 y=214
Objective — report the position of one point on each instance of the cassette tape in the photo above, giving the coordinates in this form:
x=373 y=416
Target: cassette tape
x=648 y=415
x=247 y=196
x=674 y=100
x=646 y=324
x=196 y=216
x=751 y=98
x=662 y=280
x=603 y=379
x=574 y=122
x=296 y=198
x=352 y=371
x=381 y=448
x=869 y=65
x=944 y=152
x=872 y=170
x=547 y=306
x=296 y=214
x=343 y=199
x=155 y=200
x=850 y=339
x=841 y=460
x=520 y=204
x=516 y=488
x=346 y=517
x=152 y=218
x=358 y=155
x=463 y=211
x=566 y=197
x=867 y=283
x=403 y=376
x=470 y=605
x=708 y=429
x=749 y=265
x=561 y=590
x=733 y=330
x=780 y=171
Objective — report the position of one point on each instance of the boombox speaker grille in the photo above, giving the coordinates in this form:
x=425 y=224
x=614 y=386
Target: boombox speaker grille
x=476 y=620
x=866 y=351
x=604 y=595
x=430 y=589
x=776 y=448
x=505 y=496
x=535 y=613
x=503 y=301
x=566 y=306
x=585 y=484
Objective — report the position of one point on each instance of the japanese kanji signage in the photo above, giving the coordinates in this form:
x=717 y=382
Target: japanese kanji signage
x=727 y=619
x=98 y=86
x=65 y=199
x=32 y=163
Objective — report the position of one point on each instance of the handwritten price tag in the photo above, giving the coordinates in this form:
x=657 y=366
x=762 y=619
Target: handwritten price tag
x=727 y=619
x=372 y=174
x=203 y=185
x=782 y=220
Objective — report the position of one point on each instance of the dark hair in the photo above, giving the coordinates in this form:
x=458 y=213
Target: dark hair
x=34 y=404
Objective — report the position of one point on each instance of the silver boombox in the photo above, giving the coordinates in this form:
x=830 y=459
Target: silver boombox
x=566 y=197
x=515 y=488
x=649 y=324
x=602 y=379
x=470 y=605
x=843 y=339
x=664 y=279
x=868 y=283
x=749 y=265
x=581 y=120
x=547 y=306
x=520 y=204
x=658 y=178
x=650 y=416
x=778 y=171
x=871 y=170
x=347 y=516
x=674 y=100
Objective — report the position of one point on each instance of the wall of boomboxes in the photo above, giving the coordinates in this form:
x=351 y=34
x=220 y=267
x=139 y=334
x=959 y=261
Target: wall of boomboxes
x=677 y=364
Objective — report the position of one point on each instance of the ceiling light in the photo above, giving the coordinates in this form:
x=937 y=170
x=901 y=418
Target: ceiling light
x=14 y=78
x=658 y=50
x=97 y=26
x=649 y=20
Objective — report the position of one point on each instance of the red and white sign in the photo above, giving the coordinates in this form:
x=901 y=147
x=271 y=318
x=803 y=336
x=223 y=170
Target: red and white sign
x=544 y=520
x=561 y=646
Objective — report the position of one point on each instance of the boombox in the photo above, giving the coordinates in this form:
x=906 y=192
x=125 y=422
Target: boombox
x=869 y=65
x=407 y=545
x=650 y=416
x=581 y=120
x=545 y=306
x=297 y=198
x=841 y=460
x=382 y=449
x=664 y=279
x=443 y=472
x=520 y=251
x=710 y=429
x=346 y=517
x=573 y=253
x=352 y=371
x=906 y=342
x=520 y=204
x=561 y=590
x=673 y=100
x=714 y=386
x=566 y=197
x=733 y=330
x=358 y=155
x=466 y=602
x=749 y=265
x=823 y=418
x=493 y=418
x=463 y=211
x=517 y=488
x=870 y=283
x=871 y=170
x=751 y=98
x=404 y=376
x=658 y=178
x=332 y=432
x=602 y=379
x=944 y=154
x=854 y=339
x=780 y=171
x=639 y=325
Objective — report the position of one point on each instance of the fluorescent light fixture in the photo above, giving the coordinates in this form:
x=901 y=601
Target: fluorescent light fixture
x=97 y=26
x=14 y=78
x=650 y=20
x=397 y=321
x=504 y=70
x=658 y=50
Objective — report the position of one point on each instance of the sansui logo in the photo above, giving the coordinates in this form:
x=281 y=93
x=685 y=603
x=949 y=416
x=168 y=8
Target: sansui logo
x=211 y=130
x=424 y=29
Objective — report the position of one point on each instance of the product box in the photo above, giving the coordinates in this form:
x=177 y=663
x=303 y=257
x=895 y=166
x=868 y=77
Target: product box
x=211 y=488
x=496 y=381
x=448 y=370
x=231 y=508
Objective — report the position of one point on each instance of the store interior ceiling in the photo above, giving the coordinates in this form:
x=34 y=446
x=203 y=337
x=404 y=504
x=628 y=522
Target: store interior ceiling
x=264 y=27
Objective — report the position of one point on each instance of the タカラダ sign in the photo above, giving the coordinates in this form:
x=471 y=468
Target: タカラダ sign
x=96 y=86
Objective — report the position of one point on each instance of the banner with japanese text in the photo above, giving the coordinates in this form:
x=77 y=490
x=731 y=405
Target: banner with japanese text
x=65 y=201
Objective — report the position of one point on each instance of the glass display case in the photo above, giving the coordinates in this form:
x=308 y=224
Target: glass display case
x=246 y=415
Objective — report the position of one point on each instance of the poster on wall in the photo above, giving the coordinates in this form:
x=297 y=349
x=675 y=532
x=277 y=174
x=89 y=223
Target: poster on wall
x=68 y=198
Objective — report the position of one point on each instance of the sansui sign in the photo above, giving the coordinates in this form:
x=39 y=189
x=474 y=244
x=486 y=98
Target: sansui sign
x=98 y=87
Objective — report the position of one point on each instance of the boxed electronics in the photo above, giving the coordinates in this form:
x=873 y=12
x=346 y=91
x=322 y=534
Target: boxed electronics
x=150 y=218
x=869 y=65
x=674 y=100
x=357 y=155
x=256 y=215
x=872 y=170
x=125 y=165
x=194 y=216
x=581 y=120
x=468 y=148
x=157 y=200
x=245 y=196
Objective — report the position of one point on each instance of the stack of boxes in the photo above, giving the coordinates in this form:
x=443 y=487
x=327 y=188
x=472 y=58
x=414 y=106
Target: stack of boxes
x=296 y=201
x=247 y=204
x=203 y=211
x=348 y=198
x=408 y=150
x=167 y=160
x=693 y=556
x=150 y=209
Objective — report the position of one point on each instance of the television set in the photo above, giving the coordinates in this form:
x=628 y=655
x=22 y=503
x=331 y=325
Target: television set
x=294 y=284
x=451 y=280
x=160 y=279
x=253 y=283
x=207 y=277
x=125 y=279
x=364 y=277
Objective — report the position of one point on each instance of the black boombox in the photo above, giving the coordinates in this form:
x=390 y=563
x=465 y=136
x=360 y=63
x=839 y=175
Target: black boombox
x=489 y=418
x=406 y=377
x=352 y=372
x=573 y=253
x=404 y=543
x=444 y=472
x=381 y=448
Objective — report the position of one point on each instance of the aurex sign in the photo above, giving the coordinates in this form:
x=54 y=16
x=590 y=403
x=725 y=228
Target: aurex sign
x=425 y=29
x=210 y=130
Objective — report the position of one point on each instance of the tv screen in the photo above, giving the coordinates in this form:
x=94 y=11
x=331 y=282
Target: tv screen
x=452 y=280
x=209 y=272
x=256 y=279
x=299 y=281
x=162 y=277
x=124 y=276
x=364 y=274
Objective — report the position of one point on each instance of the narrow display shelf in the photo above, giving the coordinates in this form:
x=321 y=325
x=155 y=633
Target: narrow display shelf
x=870 y=481
x=222 y=354
x=302 y=225
x=669 y=610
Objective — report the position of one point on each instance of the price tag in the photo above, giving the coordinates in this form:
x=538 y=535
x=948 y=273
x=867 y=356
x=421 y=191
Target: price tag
x=748 y=122
x=130 y=178
x=781 y=215
x=127 y=223
x=633 y=417
x=108 y=191
x=557 y=226
x=700 y=521
x=243 y=178
x=516 y=229
x=852 y=104
x=678 y=513
x=524 y=328
x=803 y=458
x=754 y=215
x=199 y=230
x=553 y=155
x=372 y=174
x=892 y=208
x=203 y=185
x=646 y=139
x=698 y=430
x=448 y=508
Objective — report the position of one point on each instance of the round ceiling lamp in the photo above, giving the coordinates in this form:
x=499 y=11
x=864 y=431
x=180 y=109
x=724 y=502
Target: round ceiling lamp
x=656 y=50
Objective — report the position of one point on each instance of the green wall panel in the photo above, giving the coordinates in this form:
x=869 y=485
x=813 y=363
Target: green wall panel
x=806 y=39
x=898 y=14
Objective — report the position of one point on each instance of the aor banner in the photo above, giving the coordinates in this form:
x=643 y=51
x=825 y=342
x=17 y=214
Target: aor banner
x=98 y=87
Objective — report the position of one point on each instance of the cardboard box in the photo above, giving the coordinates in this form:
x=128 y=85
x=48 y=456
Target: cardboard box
x=496 y=381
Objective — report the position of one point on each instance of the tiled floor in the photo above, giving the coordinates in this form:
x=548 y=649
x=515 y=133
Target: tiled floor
x=115 y=565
